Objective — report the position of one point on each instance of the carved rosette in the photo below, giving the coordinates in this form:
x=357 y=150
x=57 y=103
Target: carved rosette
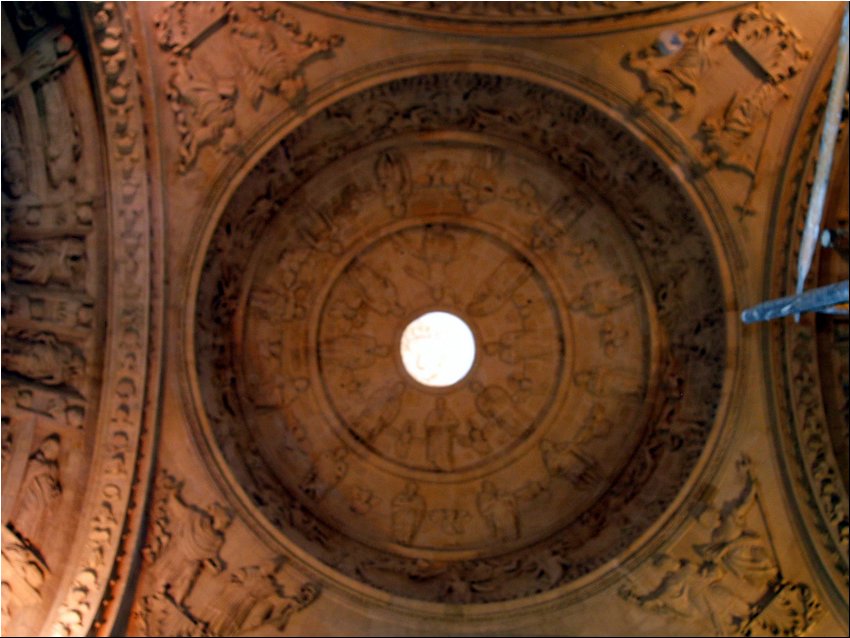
x=590 y=287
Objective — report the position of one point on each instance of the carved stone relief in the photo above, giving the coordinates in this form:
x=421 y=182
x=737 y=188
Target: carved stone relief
x=270 y=53
x=731 y=580
x=343 y=255
x=187 y=589
x=673 y=71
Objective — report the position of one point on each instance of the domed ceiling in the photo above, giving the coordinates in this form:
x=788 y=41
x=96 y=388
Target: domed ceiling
x=589 y=192
x=600 y=348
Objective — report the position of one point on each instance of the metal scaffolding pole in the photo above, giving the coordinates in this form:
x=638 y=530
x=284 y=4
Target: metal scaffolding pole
x=829 y=136
x=824 y=299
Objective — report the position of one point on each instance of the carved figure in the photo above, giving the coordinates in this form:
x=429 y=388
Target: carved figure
x=499 y=510
x=190 y=542
x=518 y=346
x=599 y=298
x=14 y=163
x=377 y=291
x=392 y=174
x=382 y=408
x=674 y=77
x=565 y=460
x=436 y=250
x=23 y=575
x=408 y=512
x=60 y=261
x=352 y=351
x=40 y=488
x=733 y=545
x=441 y=426
x=691 y=590
x=498 y=287
x=736 y=577
x=326 y=472
x=42 y=357
x=63 y=136
x=276 y=52
x=204 y=108
x=495 y=404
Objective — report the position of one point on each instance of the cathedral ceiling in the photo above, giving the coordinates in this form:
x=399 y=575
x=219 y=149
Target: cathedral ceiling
x=220 y=219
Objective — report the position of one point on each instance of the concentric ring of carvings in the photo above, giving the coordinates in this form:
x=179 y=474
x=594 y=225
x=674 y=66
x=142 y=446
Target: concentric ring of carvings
x=697 y=359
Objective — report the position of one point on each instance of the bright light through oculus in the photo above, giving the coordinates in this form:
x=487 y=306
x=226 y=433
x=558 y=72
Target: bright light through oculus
x=437 y=349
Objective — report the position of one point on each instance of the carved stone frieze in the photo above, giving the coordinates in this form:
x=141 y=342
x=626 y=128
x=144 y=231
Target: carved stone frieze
x=731 y=579
x=270 y=53
x=187 y=589
x=313 y=409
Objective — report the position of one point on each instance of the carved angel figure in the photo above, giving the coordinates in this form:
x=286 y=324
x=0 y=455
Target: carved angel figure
x=499 y=510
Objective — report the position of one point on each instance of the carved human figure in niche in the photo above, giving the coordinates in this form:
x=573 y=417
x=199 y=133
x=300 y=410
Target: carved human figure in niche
x=14 y=163
x=382 y=408
x=567 y=461
x=518 y=346
x=499 y=510
x=408 y=512
x=441 y=428
x=495 y=404
x=392 y=174
x=480 y=184
x=195 y=538
x=499 y=286
x=329 y=468
x=376 y=291
x=60 y=261
x=557 y=221
x=436 y=249
x=63 y=136
x=595 y=425
x=352 y=351
x=40 y=488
